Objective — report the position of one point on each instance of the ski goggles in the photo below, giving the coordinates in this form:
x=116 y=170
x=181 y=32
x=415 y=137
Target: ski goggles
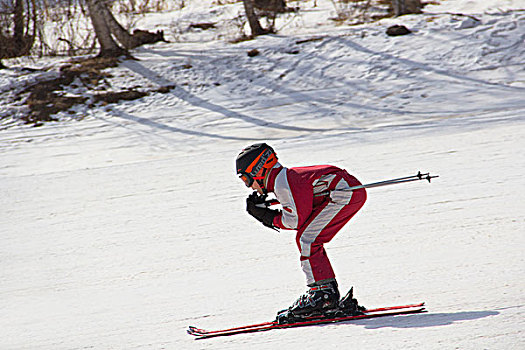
x=248 y=179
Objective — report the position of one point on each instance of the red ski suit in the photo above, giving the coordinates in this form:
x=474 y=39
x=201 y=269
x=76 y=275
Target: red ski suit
x=315 y=204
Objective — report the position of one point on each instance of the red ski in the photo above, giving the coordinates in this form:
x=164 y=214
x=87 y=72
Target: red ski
x=265 y=326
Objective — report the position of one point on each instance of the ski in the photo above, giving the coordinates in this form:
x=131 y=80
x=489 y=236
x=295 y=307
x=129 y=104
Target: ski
x=274 y=325
x=370 y=313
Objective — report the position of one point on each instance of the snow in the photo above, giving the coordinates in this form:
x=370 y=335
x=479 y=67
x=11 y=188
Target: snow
x=121 y=229
x=474 y=6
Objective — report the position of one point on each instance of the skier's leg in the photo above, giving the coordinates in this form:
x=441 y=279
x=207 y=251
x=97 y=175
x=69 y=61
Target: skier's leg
x=322 y=226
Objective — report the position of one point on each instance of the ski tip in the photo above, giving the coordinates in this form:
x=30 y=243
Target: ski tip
x=420 y=311
x=195 y=331
x=198 y=335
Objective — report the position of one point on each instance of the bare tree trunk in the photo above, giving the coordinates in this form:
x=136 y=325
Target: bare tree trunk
x=21 y=41
x=403 y=7
x=270 y=5
x=399 y=7
x=255 y=26
x=121 y=34
x=19 y=20
x=109 y=27
x=108 y=46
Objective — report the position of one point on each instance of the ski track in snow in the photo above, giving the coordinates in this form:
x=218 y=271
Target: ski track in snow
x=120 y=230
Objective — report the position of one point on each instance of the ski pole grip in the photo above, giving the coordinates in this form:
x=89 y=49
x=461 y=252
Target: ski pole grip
x=431 y=177
x=425 y=176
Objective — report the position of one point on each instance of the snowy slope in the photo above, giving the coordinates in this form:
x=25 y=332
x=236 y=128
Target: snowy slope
x=120 y=230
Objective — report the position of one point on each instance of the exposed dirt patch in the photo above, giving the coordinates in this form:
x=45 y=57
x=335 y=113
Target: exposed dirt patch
x=46 y=98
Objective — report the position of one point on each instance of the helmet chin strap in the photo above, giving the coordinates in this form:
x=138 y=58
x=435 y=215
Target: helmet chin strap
x=266 y=175
x=261 y=180
x=261 y=184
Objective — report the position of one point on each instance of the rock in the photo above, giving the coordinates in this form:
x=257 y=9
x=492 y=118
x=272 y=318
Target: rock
x=397 y=30
x=253 y=53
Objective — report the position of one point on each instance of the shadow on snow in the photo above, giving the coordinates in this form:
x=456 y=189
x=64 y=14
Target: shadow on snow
x=425 y=320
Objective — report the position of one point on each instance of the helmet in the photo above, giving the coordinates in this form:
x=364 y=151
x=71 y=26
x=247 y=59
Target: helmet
x=254 y=162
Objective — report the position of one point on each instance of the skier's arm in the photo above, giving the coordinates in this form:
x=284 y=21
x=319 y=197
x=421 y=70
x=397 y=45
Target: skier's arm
x=295 y=197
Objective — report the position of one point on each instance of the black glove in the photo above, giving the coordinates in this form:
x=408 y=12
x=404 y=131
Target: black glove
x=261 y=212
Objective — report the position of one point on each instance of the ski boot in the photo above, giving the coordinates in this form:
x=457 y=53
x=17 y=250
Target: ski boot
x=316 y=302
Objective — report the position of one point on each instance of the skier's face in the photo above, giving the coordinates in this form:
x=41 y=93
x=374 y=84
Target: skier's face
x=255 y=186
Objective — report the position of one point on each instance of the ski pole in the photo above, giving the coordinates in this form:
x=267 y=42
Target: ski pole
x=417 y=177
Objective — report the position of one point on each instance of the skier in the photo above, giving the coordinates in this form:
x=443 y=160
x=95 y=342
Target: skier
x=314 y=202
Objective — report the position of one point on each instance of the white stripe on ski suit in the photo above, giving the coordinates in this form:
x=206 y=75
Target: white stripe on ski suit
x=307 y=269
x=284 y=193
x=325 y=216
